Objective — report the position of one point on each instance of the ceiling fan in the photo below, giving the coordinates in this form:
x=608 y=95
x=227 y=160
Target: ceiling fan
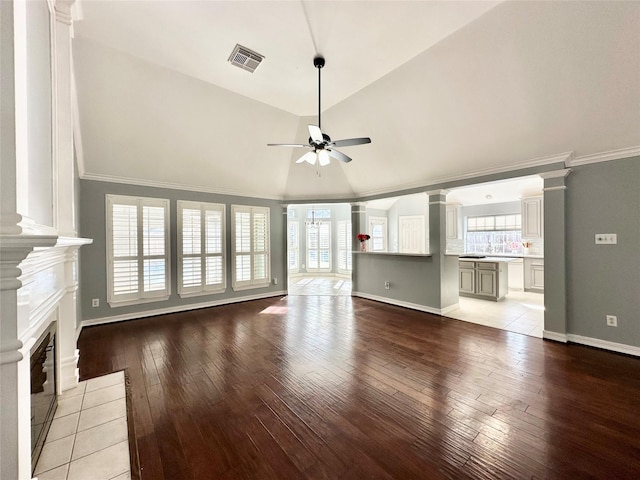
x=321 y=144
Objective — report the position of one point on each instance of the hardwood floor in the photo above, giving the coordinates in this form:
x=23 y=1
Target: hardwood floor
x=334 y=387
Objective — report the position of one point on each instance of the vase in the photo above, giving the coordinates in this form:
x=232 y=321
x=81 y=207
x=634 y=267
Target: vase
x=363 y=246
x=526 y=250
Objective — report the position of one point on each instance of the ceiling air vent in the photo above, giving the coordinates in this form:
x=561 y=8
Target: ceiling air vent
x=245 y=59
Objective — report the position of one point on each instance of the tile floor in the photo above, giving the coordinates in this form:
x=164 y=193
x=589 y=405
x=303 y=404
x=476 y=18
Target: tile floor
x=88 y=438
x=519 y=312
x=324 y=285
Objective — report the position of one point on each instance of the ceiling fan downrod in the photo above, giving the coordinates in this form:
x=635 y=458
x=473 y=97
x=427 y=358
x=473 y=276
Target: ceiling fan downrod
x=318 y=62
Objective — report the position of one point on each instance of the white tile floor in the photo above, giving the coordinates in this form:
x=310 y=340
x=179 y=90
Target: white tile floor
x=324 y=285
x=519 y=312
x=88 y=438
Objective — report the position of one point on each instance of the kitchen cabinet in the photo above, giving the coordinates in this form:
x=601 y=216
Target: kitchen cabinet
x=532 y=218
x=534 y=275
x=467 y=277
x=483 y=278
x=454 y=222
x=516 y=274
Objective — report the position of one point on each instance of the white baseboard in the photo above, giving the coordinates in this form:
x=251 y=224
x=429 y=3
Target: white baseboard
x=592 y=342
x=604 y=344
x=400 y=303
x=176 y=309
x=555 y=336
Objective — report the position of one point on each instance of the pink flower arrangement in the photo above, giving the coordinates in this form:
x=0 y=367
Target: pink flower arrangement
x=363 y=237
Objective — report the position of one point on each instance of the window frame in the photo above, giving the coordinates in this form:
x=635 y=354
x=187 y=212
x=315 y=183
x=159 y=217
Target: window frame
x=141 y=296
x=252 y=282
x=293 y=245
x=318 y=227
x=345 y=246
x=382 y=221
x=203 y=288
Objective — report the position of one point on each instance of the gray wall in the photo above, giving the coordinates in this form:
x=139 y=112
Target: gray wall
x=93 y=257
x=413 y=279
x=604 y=279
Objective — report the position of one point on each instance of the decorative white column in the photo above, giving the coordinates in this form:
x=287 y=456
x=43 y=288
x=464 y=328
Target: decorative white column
x=63 y=171
x=15 y=440
x=68 y=354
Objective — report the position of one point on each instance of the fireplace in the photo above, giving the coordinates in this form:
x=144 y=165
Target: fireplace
x=44 y=399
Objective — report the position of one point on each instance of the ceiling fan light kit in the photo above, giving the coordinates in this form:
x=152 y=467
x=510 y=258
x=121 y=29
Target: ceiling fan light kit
x=323 y=148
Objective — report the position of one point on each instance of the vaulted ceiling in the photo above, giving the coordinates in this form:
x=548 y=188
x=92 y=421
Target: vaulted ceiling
x=445 y=89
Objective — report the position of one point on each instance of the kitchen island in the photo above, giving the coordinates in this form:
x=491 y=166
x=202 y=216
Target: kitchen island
x=483 y=277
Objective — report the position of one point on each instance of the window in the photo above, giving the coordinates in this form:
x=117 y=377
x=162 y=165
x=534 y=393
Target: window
x=319 y=246
x=493 y=234
x=293 y=246
x=494 y=223
x=344 y=246
x=250 y=239
x=378 y=229
x=201 y=259
x=137 y=250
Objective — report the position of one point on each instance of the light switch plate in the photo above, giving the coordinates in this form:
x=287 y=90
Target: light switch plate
x=606 y=238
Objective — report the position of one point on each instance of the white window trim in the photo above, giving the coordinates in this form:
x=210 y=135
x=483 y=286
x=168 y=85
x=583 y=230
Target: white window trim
x=348 y=240
x=320 y=269
x=385 y=236
x=296 y=247
x=203 y=288
x=250 y=284
x=140 y=297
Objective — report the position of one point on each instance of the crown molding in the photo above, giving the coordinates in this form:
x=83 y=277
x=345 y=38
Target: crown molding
x=607 y=156
x=556 y=173
x=512 y=167
x=173 y=186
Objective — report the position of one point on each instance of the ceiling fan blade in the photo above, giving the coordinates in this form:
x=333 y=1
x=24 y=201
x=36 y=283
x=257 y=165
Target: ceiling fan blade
x=323 y=157
x=288 y=145
x=315 y=133
x=339 y=155
x=351 y=141
x=309 y=157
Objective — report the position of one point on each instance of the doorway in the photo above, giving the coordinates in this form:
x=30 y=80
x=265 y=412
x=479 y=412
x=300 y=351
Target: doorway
x=319 y=246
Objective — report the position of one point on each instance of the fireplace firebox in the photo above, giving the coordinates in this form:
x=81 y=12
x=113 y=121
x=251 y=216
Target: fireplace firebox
x=44 y=398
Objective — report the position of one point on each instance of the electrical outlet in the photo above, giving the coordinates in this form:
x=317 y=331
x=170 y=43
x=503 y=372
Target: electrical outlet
x=95 y=302
x=606 y=239
x=387 y=285
x=612 y=321
x=275 y=280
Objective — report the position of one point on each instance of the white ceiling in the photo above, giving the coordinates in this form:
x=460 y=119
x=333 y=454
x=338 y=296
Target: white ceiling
x=445 y=89
x=361 y=41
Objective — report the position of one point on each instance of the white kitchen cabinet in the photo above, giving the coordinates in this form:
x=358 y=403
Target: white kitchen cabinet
x=516 y=275
x=534 y=275
x=454 y=222
x=467 y=277
x=532 y=218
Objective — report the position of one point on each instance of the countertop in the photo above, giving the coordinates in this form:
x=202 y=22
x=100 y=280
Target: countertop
x=490 y=259
x=498 y=255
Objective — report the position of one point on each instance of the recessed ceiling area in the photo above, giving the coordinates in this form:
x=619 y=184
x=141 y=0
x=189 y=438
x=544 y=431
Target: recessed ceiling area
x=496 y=192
